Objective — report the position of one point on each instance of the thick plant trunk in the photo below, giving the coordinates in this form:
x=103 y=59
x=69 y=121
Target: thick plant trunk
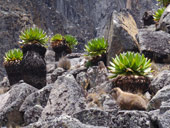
x=61 y=49
x=34 y=66
x=13 y=70
x=132 y=83
x=94 y=61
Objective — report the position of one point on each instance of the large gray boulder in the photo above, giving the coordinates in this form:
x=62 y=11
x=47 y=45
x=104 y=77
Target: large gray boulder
x=34 y=104
x=93 y=117
x=160 y=117
x=164 y=120
x=57 y=72
x=11 y=101
x=164 y=22
x=33 y=114
x=64 y=121
x=160 y=81
x=97 y=76
x=120 y=32
x=94 y=77
x=115 y=119
x=76 y=59
x=155 y=45
x=66 y=97
x=131 y=119
x=161 y=96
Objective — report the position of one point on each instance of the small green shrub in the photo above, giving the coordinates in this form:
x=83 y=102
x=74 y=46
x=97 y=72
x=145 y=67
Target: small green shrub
x=57 y=37
x=71 y=41
x=33 y=35
x=130 y=63
x=158 y=14
x=12 y=55
x=96 y=47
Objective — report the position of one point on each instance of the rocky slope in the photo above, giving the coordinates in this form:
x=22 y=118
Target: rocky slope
x=80 y=97
x=84 y=19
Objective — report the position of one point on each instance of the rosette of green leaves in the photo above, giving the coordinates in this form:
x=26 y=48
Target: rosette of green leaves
x=56 y=37
x=163 y=2
x=130 y=63
x=96 y=47
x=158 y=14
x=71 y=41
x=32 y=35
x=12 y=55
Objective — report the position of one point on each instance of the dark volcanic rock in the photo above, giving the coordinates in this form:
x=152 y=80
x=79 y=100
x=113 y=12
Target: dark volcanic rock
x=155 y=45
x=148 y=18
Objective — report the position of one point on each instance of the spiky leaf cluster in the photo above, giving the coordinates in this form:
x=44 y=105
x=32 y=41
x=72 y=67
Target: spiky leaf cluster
x=96 y=47
x=71 y=41
x=130 y=63
x=12 y=55
x=32 y=35
x=158 y=14
x=165 y=3
x=57 y=37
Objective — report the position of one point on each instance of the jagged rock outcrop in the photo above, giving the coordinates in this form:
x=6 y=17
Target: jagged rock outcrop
x=131 y=119
x=34 y=103
x=161 y=96
x=164 y=23
x=64 y=121
x=155 y=45
x=164 y=120
x=66 y=104
x=66 y=97
x=160 y=117
x=33 y=114
x=11 y=102
x=160 y=81
x=93 y=117
x=121 y=34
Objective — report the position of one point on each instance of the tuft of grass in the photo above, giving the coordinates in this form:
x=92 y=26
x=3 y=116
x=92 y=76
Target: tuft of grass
x=64 y=63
